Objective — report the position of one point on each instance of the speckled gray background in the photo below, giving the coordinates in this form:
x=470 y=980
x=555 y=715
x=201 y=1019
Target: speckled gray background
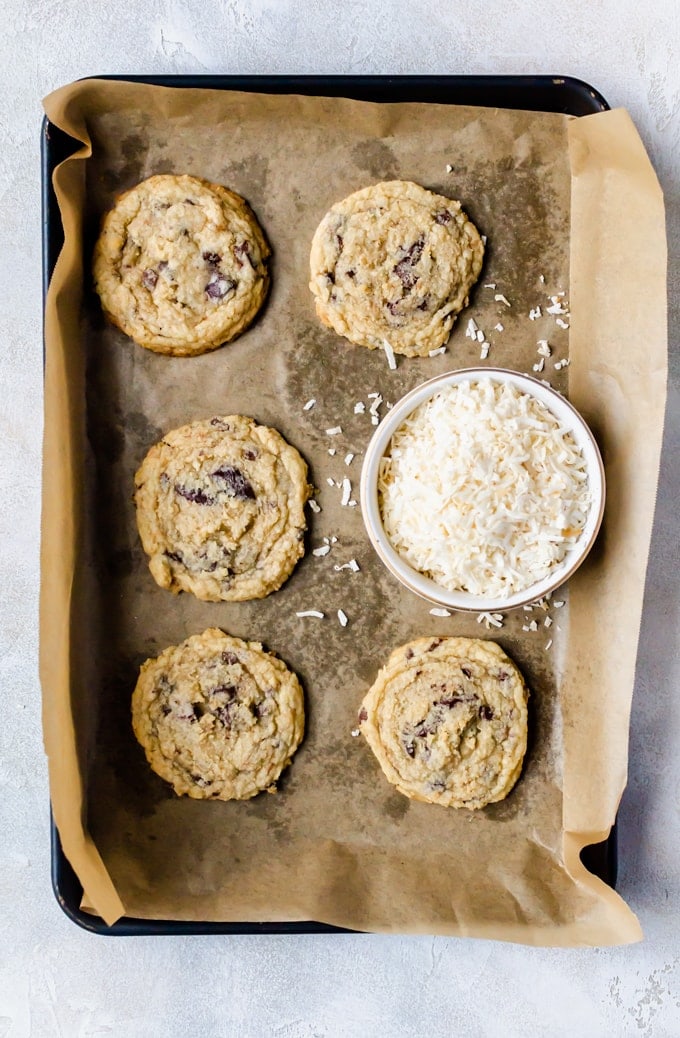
x=57 y=980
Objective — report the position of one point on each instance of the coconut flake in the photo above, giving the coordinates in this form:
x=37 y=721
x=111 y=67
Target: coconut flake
x=389 y=353
x=548 y=643
x=535 y=313
x=543 y=349
x=560 y=323
x=335 y=431
x=311 y=612
x=349 y=458
x=440 y=612
x=449 y=167
x=501 y=299
x=309 y=405
x=323 y=550
x=471 y=330
x=342 y=617
x=498 y=327
x=314 y=506
x=359 y=407
x=346 y=492
x=332 y=451
x=541 y=364
x=433 y=353
x=352 y=565
x=490 y=284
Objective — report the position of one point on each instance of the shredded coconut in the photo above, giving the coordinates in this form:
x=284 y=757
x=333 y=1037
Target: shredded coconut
x=498 y=327
x=349 y=458
x=314 y=506
x=323 y=550
x=346 y=492
x=342 y=617
x=353 y=565
x=359 y=407
x=435 y=353
x=335 y=431
x=483 y=490
x=311 y=612
x=440 y=612
x=501 y=299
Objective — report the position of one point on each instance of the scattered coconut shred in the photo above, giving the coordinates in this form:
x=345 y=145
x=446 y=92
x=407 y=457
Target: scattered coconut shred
x=483 y=490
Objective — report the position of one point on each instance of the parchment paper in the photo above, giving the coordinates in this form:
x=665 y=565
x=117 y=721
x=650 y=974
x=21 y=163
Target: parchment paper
x=573 y=200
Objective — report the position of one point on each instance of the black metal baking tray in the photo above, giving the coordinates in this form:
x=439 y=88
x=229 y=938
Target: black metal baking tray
x=531 y=93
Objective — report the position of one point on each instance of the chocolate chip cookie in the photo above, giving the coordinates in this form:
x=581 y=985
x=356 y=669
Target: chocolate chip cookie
x=220 y=509
x=180 y=264
x=447 y=720
x=218 y=717
x=394 y=263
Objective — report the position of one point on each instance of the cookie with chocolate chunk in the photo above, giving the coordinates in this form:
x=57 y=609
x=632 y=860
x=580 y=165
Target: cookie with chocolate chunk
x=180 y=264
x=220 y=509
x=394 y=263
x=447 y=720
x=218 y=717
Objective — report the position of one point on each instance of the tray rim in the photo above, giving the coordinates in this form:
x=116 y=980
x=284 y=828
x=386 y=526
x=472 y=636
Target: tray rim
x=570 y=96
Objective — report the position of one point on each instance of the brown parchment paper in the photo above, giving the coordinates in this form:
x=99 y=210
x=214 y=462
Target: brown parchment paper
x=573 y=200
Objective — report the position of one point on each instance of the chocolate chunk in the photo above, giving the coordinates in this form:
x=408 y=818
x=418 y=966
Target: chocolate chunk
x=213 y=259
x=451 y=701
x=229 y=657
x=223 y=714
x=443 y=216
x=150 y=279
x=236 y=482
x=340 y=240
x=409 y=746
x=467 y=672
x=219 y=286
x=198 y=497
x=485 y=712
x=173 y=556
x=220 y=424
x=227 y=692
x=363 y=714
x=242 y=252
x=423 y=305
x=330 y=277
x=404 y=268
x=165 y=710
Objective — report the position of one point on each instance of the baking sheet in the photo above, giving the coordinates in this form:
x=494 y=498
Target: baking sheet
x=337 y=844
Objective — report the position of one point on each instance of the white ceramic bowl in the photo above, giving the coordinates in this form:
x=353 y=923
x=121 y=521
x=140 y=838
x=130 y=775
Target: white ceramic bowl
x=428 y=588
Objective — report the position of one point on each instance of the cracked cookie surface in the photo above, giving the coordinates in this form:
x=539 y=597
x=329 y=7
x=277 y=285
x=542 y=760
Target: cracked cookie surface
x=447 y=720
x=218 y=717
x=394 y=263
x=220 y=509
x=180 y=264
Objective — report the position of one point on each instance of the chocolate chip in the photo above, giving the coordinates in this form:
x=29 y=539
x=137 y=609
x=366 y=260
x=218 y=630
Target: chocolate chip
x=236 y=482
x=220 y=424
x=229 y=657
x=451 y=701
x=433 y=645
x=173 y=556
x=165 y=710
x=423 y=305
x=250 y=454
x=351 y=274
x=213 y=259
x=198 y=497
x=503 y=675
x=363 y=714
x=408 y=654
x=149 y=279
x=340 y=240
x=330 y=277
x=437 y=785
x=189 y=201
x=443 y=216
x=393 y=307
x=485 y=712
x=467 y=672
x=219 y=286
x=163 y=265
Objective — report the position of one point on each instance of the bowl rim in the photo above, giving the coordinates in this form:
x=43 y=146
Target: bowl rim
x=424 y=586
